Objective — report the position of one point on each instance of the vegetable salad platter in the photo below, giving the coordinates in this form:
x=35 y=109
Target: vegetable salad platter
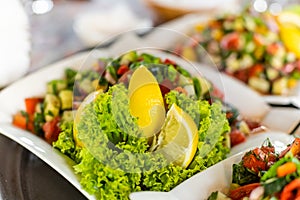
x=269 y=171
x=252 y=47
x=218 y=178
x=58 y=110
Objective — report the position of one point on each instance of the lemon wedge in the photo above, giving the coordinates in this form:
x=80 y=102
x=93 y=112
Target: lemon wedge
x=80 y=112
x=289 y=30
x=146 y=101
x=178 y=137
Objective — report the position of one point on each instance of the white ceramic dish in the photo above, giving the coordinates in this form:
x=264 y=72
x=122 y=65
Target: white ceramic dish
x=292 y=98
x=12 y=100
x=15 y=42
x=217 y=177
x=92 y=27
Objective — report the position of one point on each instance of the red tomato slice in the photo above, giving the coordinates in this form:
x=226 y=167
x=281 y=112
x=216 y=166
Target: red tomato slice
x=30 y=104
x=231 y=41
x=52 y=130
x=236 y=137
x=243 y=191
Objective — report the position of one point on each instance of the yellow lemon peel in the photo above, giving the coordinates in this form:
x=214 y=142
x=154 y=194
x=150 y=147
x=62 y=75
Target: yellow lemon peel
x=179 y=137
x=289 y=29
x=146 y=101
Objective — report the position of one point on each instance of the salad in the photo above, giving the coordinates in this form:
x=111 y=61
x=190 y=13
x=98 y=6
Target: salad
x=248 y=47
x=265 y=174
x=118 y=145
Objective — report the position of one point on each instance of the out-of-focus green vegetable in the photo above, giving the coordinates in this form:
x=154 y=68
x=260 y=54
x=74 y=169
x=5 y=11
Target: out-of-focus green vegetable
x=52 y=106
x=66 y=99
x=55 y=86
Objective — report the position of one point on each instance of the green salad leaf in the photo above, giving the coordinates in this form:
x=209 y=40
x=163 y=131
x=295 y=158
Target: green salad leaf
x=115 y=160
x=242 y=175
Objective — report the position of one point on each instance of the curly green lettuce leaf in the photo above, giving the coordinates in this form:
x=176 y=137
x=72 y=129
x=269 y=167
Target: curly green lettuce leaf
x=207 y=115
x=115 y=160
x=66 y=143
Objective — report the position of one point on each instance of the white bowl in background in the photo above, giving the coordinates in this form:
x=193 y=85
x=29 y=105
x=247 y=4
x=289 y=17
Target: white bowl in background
x=99 y=27
x=15 y=42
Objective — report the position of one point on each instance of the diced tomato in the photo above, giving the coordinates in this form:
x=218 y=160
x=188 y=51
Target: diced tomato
x=236 y=137
x=251 y=161
x=260 y=158
x=30 y=104
x=30 y=124
x=231 y=41
x=243 y=191
x=256 y=70
x=24 y=122
x=242 y=75
x=123 y=69
x=169 y=62
x=52 y=130
x=165 y=86
x=273 y=48
x=20 y=121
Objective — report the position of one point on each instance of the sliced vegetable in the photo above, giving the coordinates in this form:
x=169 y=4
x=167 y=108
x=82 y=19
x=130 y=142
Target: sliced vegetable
x=24 y=121
x=236 y=137
x=291 y=190
x=20 y=120
x=243 y=191
x=286 y=169
x=249 y=47
x=52 y=130
x=260 y=158
x=31 y=104
x=66 y=99
x=242 y=175
x=52 y=107
x=280 y=180
x=123 y=69
x=55 y=86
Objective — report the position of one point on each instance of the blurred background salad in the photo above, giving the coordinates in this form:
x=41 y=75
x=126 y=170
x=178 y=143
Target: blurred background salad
x=83 y=23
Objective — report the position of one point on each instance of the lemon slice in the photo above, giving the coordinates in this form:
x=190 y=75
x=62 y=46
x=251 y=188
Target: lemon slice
x=289 y=28
x=179 y=137
x=79 y=113
x=146 y=101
